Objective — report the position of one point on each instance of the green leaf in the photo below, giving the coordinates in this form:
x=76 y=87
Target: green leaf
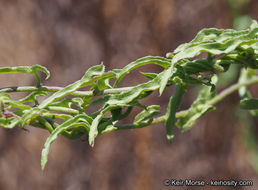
x=9 y=123
x=17 y=104
x=249 y=104
x=77 y=121
x=95 y=123
x=199 y=107
x=4 y=97
x=94 y=129
x=103 y=83
x=246 y=56
x=85 y=80
x=124 y=98
x=166 y=76
x=118 y=115
x=29 y=115
x=58 y=115
x=199 y=65
x=173 y=105
x=213 y=41
x=120 y=73
x=27 y=69
x=78 y=102
x=101 y=100
x=66 y=103
x=216 y=42
x=149 y=75
x=107 y=129
x=147 y=114
x=32 y=97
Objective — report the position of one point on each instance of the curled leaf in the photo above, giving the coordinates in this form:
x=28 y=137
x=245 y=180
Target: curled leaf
x=130 y=95
x=27 y=69
x=216 y=42
x=94 y=129
x=120 y=73
x=199 y=107
x=85 y=80
x=77 y=121
x=9 y=123
x=173 y=105
x=147 y=114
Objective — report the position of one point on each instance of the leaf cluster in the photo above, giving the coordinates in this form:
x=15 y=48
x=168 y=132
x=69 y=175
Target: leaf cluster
x=64 y=111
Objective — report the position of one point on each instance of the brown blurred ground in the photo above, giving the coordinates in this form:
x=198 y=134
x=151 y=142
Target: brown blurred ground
x=70 y=36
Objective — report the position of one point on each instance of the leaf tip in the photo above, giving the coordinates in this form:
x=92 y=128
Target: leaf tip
x=91 y=144
x=43 y=164
x=161 y=89
x=170 y=137
x=92 y=141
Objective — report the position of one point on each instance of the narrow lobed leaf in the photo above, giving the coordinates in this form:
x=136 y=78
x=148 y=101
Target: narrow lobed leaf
x=173 y=105
x=27 y=69
x=77 y=121
x=161 y=61
x=85 y=80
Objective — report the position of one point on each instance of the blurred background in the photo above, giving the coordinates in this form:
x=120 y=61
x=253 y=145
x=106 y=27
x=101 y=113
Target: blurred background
x=70 y=36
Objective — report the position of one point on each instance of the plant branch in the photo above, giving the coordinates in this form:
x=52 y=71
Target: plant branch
x=56 y=88
x=63 y=109
x=232 y=89
x=182 y=113
x=160 y=119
